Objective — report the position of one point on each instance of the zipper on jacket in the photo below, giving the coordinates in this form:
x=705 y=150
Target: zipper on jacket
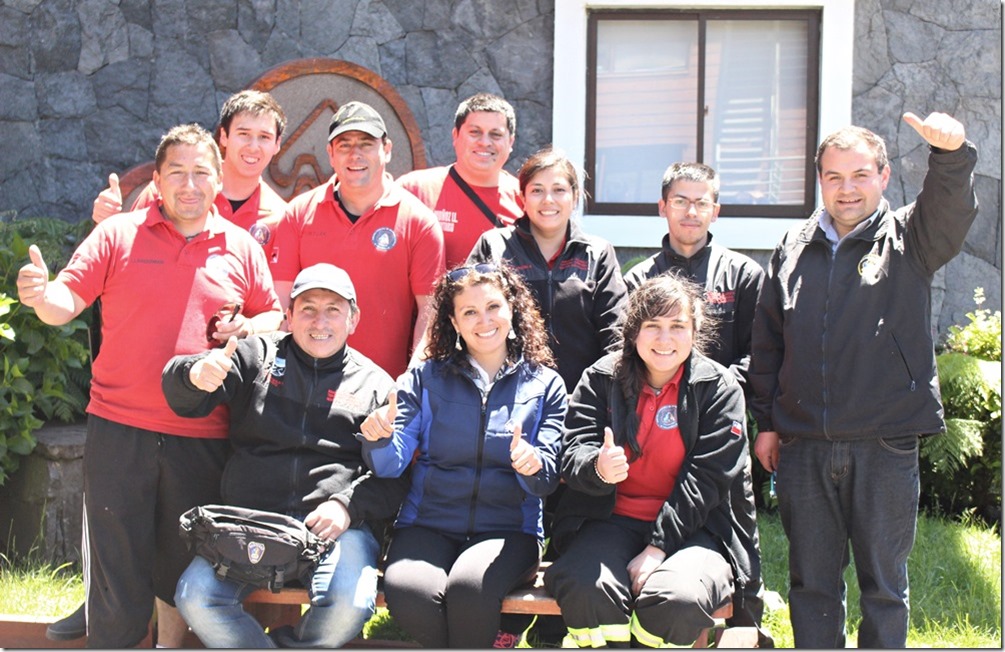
x=823 y=339
x=910 y=375
x=478 y=463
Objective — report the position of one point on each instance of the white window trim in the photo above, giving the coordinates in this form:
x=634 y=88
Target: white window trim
x=569 y=108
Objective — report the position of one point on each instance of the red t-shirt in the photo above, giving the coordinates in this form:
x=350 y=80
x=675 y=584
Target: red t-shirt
x=461 y=220
x=158 y=293
x=258 y=215
x=393 y=253
x=652 y=477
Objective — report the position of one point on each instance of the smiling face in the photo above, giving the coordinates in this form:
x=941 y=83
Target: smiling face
x=359 y=159
x=549 y=200
x=688 y=225
x=482 y=145
x=664 y=343
x=851 y=185
x=249 y=144
x=321 y=321
x=483 y=318
x=187 y=181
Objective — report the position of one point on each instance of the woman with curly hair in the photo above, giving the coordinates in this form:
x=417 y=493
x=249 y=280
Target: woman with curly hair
x=648 y=544
x=482 y=418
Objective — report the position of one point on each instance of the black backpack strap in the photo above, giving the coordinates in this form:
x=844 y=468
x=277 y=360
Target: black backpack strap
x=473 y=196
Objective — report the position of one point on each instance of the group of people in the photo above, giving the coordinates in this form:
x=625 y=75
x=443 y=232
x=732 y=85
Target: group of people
x=446 y=377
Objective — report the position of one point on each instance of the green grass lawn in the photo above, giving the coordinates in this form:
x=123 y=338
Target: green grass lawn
x=955 y=573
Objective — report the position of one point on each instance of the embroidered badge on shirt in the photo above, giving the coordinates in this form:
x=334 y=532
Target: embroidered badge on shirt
x=261 y=233
x=279 y=367
x=736 y=428
x=666 y=417
x=870 y=268
x=384 y=239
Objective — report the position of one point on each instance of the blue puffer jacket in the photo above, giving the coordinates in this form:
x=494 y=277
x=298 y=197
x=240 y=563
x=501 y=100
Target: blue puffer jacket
x=462 y=481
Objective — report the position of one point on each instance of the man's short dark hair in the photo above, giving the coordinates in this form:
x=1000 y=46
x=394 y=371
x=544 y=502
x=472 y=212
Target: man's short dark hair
x=690 y=172
x=190 y=134
x=848 y=137
x=253 y=102
x=489 y=103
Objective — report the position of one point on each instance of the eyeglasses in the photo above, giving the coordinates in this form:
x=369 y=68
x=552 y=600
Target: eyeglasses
x=481 y=268
x=701 y=206
x=226 y=313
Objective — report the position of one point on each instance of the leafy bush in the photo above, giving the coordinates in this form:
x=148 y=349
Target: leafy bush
x=961 y=471
x=46 y=371
x=982 y=337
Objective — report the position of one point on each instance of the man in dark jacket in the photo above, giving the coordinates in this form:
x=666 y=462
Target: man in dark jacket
x=844 y=376
x=296 y=401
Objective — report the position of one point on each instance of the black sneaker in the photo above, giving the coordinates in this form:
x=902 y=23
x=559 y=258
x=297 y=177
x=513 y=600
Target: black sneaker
x=72 y=627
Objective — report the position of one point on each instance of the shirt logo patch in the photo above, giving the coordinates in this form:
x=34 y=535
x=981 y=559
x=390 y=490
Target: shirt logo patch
x=666 y=417
x=736 y=428
x=261 y=233
x=870 y=268
x=256 y=551
x=384 y=239
x=279 y=367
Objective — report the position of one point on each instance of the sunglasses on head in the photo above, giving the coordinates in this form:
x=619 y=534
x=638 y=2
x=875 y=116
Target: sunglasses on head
x=481 y=268
x=226 y=313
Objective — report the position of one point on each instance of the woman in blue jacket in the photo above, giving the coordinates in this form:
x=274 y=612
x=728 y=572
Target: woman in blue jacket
x=482 y=418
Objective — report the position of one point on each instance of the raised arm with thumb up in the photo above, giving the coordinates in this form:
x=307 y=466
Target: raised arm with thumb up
x=108 y=201
x=523 y=456
x=612 y=463
x=379 y=424
x=938 y=129
x=33 y=279
x=208 y=373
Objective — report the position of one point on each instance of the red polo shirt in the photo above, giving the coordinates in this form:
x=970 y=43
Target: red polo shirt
x=652 y=477
x=258 y=215
x=460 y=219
x=158 y=293
x=393 y=253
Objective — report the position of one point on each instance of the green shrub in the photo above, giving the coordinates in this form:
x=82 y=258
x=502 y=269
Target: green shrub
x=961 y=471
x=46 y=371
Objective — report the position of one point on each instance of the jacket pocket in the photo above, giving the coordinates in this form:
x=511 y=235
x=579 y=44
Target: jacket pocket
x=912 y=384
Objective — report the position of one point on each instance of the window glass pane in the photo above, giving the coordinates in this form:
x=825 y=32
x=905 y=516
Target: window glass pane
x=755 y=125
x=646 y=111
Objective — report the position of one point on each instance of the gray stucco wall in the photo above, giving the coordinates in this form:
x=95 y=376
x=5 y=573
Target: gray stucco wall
x=88 y=86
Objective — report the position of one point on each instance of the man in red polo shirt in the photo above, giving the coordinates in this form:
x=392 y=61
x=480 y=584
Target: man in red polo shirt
x=166 y=276
x=474 y=194
x=250 y=134
x=360 y=220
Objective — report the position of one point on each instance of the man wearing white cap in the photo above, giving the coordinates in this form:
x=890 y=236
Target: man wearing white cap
x=296 y=401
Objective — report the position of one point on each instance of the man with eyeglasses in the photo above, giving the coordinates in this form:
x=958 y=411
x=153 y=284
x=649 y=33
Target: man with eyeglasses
x=162 y=274
x=361 y=220
x=732 y=281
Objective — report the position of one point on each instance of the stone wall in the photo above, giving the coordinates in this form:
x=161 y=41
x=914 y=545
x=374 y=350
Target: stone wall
x=88 y=86
x=938 y=55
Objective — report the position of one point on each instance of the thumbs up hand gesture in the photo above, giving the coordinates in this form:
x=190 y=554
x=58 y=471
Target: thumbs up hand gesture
x=33 y=279
x=208 y=373
x=612 y=463
x=938 y=129
x=523 y=457
x=379 y=424
x=108 y=201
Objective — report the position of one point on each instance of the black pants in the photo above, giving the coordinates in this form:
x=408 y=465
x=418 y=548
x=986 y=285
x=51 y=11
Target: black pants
x=590 y=581
x=136 y=485
x=447 y=591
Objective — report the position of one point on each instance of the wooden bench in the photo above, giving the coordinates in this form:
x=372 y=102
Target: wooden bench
x=285 y=607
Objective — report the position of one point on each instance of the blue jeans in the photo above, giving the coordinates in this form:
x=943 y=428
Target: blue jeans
x=832 y=493
x=343 y=592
